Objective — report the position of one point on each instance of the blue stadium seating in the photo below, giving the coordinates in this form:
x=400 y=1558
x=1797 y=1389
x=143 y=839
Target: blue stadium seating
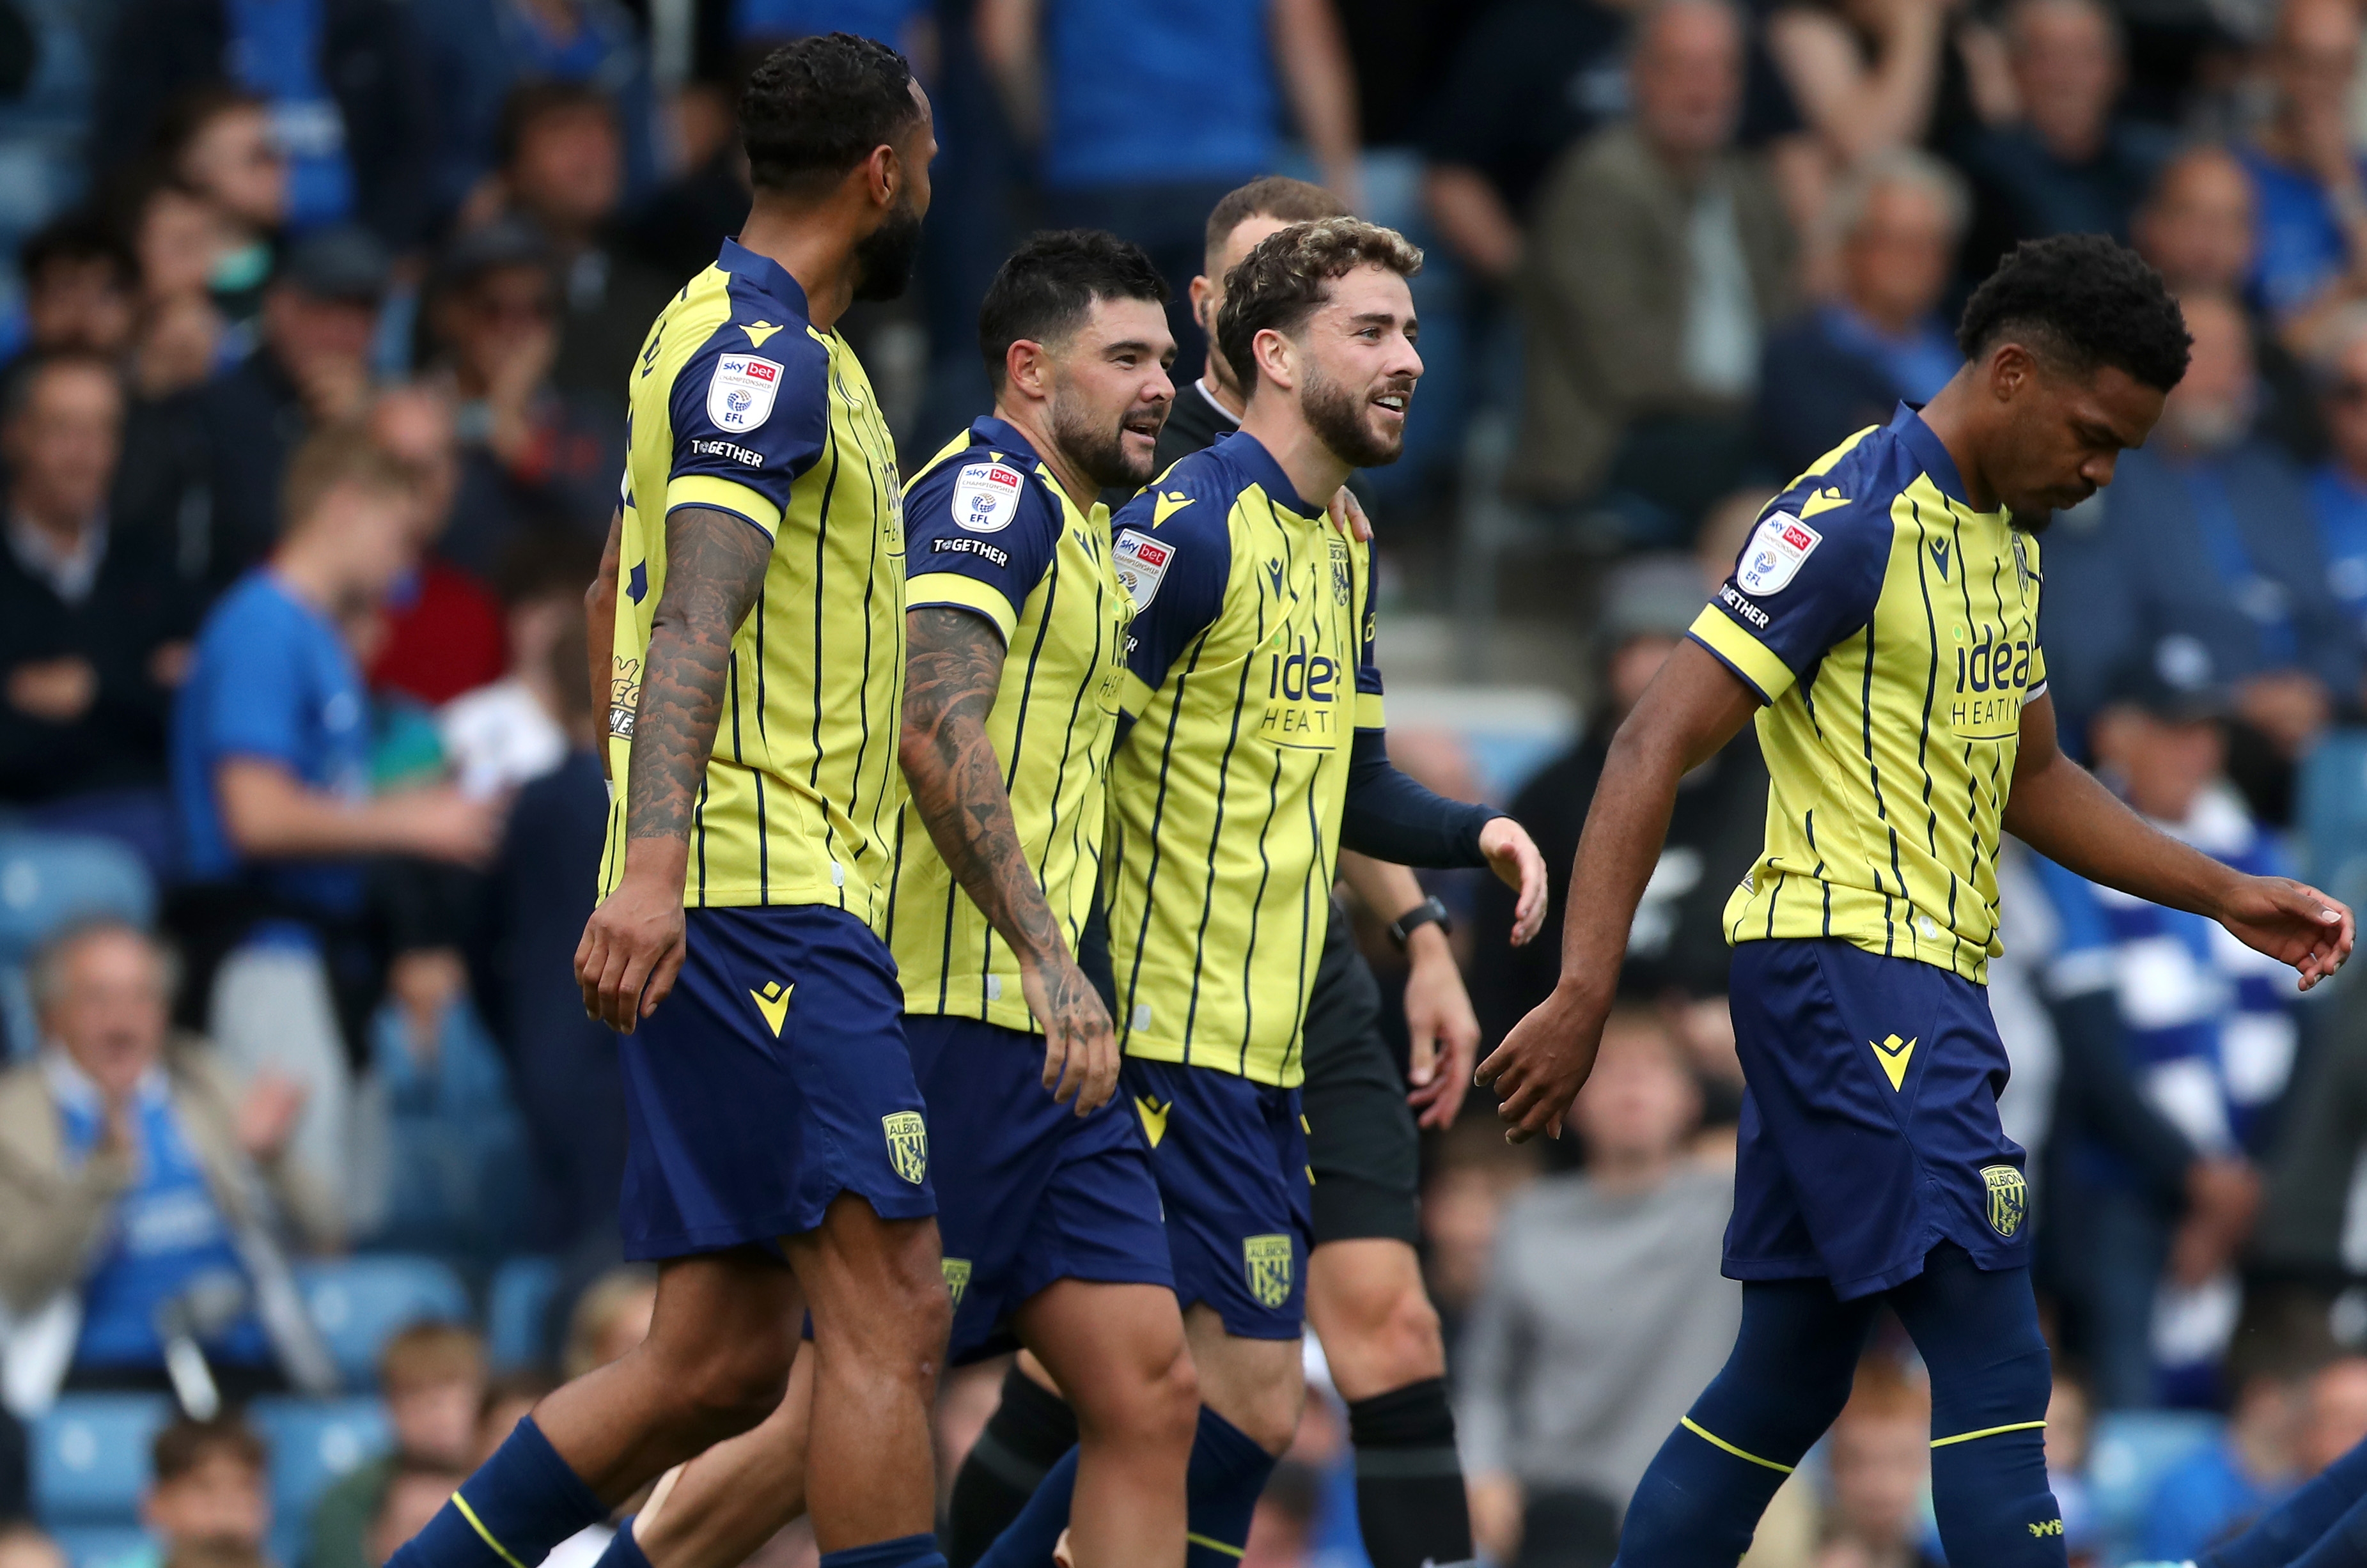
x=90 y=1457
x=361 y=1302
x=2331 y=810
x=101 y=1546
x=2126 y=1460
x=313 y=1442
x=517 y=1312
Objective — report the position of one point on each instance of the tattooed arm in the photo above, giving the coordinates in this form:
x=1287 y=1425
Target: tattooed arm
x=952 y=672
x=600 y=635
x=632 y=947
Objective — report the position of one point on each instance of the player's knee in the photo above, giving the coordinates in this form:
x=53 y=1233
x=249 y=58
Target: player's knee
x=1410 y=1342
x=732 y=1387
x=1170 y=1401
x=1270 y=1416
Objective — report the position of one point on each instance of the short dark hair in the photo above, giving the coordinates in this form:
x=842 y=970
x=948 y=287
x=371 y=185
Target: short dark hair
x=1270 y=196
x=188 y=113
x=815 y=109
x=186 y=1443
x=1280 y=283
x=1044 y=289
x=530 y=102
x=2086 y=300
x=76 y=238
x=18 y=384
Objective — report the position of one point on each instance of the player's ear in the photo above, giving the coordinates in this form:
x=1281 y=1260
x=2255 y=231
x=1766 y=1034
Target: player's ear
x=884 y=174
x=2012 y=367
x=1276 y=357
x=1023 y=367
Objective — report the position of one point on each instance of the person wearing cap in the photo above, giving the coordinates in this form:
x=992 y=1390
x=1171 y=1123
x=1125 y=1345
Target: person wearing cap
x=529 y=452
x=1679 y=945
x=2177 y=1046
x=211 y=461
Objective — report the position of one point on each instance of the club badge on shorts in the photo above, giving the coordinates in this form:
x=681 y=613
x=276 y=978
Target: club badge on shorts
x=2009 y=1197
x=908 y=1145
x=956 y=1277
x=1268 y=1259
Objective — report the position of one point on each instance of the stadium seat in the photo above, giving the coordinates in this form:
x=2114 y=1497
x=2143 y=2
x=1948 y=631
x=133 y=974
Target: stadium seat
x=313 y=1442
x=361 y=1302
x=518 y=1314
x=101 y=1546
x=90 y=1457
x=2130 y=1453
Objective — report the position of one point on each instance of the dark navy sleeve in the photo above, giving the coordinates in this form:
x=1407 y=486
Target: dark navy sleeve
x=1369 y=711
x=1173 y=546
x=751 y=412
x=1802 y=585
x=1391 y=817
x=979 y=535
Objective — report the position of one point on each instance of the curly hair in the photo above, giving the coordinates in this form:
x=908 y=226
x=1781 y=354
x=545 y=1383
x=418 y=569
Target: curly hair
x=1046 y=287
x=2084 y=301
x=815 y=109
x=1290 y=272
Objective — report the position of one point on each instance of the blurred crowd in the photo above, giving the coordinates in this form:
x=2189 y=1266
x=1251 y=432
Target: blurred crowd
x=317 y=317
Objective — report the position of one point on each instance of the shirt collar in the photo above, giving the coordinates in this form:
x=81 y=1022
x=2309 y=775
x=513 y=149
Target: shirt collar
x=1216 y=405
x=765 y=273
x=73 y=1091
x=1923 y=445
x=69 y=573
x=1003 y=436
x=1259 y=466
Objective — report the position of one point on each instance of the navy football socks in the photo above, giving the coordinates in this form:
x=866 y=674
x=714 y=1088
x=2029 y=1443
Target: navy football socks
x=624 y=1551
x=2295 y=1525
x=904 y=1551
x=1221 y=1491
x=1024 y=1440
x=521 y=1502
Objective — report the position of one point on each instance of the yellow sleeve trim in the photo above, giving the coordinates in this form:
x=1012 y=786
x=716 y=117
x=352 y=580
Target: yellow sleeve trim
x=1988 y=1432
x=724 y=495
x=1713 y=1440
x=967 y=593
x=1134 y=697
x=1369 y=711
x=1750 y=658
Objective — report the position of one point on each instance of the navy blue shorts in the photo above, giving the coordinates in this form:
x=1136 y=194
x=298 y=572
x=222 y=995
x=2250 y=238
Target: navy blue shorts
x=1870 y=1130
x=773 y=1078
x=1028 y=1191
x=1231 y=1154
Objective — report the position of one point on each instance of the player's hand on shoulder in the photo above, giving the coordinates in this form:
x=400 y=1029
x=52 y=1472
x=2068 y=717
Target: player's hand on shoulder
x=2292 y=922
x=631 y=950
x=1348 y=515
x=1081 y=1054
x=1544 y=1061
x=1514 y=858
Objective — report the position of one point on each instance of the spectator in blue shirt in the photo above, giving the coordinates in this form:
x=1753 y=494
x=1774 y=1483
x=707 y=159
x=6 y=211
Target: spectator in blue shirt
x=2206 y=1030
x=136 y=1167
x=271 y=777
x=2069 y=166
x=2312 y=186
x=2222 y=1487
x=2203 y=552
x=1849 y=362
x=1144 y=115
x=2338 y=490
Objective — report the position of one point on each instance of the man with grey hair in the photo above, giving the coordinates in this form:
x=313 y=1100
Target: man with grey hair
x=2069 y=165
x=1658 y=257
x=135 y=1169
x=1849 y=362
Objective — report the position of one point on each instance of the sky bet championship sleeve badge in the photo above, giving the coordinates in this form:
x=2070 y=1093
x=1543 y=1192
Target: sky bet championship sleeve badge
x=1773 y=556
x=1141 y=562
x=986 y=497
x=740 y=396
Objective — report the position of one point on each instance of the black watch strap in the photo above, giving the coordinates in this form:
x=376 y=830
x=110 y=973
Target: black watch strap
x=1430 y=911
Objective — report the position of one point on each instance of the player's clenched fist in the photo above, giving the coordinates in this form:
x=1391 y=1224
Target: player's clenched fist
x=1544 y=1062
x=631 y=950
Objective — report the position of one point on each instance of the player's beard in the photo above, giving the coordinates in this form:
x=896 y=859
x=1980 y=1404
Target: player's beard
x=884 y=257
x=1339 y=418
x=1099 y=449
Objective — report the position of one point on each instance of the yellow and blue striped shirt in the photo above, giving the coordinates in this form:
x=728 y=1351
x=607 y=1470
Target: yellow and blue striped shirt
x=992 y=533
x=1892 y=630
x=1249 y=671
x=739 y=405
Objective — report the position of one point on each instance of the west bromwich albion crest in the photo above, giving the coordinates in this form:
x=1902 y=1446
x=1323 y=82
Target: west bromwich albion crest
x=958 y=1271
x=908 y=1145
x=2009 y=1197
x=1268 y=1260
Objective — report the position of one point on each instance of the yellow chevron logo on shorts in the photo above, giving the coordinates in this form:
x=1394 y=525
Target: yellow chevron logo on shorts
x=773 y=1001
x=1154 y=1117
x=1893 y=1056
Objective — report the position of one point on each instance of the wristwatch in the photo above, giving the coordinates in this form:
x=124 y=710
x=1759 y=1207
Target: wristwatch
x=1430 y=911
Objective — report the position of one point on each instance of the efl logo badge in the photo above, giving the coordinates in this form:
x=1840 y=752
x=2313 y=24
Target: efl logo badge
x=2009 y=1197
x=1773 y=556
x=1268 y=1257
x=908 y=1145
x=986 y=497
x=739 y=394
x=1142 y=562
x=957 y=1279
